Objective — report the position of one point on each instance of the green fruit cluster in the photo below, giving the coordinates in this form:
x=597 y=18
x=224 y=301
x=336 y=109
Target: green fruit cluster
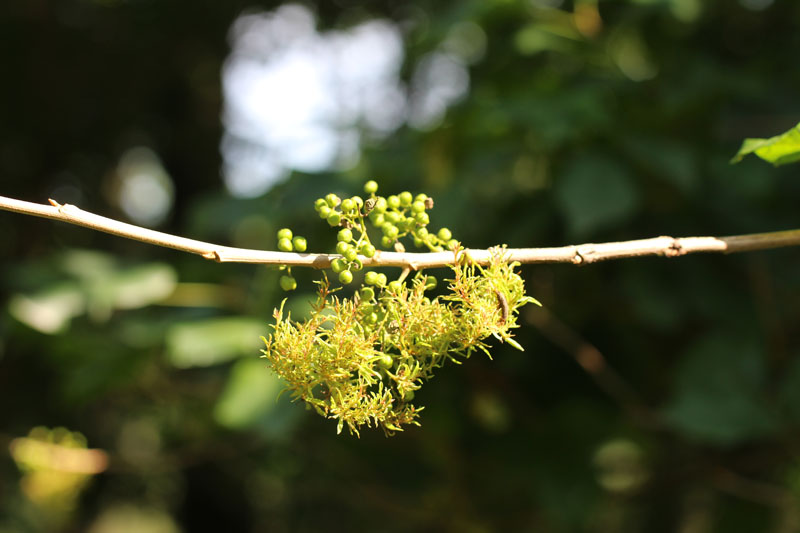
x=360 y=359
x=288 y=242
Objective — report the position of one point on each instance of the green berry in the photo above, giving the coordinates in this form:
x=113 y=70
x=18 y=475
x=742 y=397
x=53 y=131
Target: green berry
x=288 y=283
x=371 y=318
x=393 y=201
x=342 y=247
x=285 y=233
x=444 y=234
x=299 y=244
x=356 y=264
x=422 y=233
x=418 y=207
x=348 y=205
x=371 y=278
x=367 y=293
x=430 y=282
x=381 y=280
x=344 y=235
x=421 y=197
x=325 y=211
x=380 y=205
x=334 y=219
x=452 y=243
x=367 y=250
x=332 y=199
x=395 y=286
x=338 y=265
x=378 y=219
x=358 y=201
x=350 y=254
x=284 y=245
x=422 y=218
x=371 y=187
x=386 y=361
x=390 y=231
x=418 y=242
x=345 y=276
x=408 y=396
x=392 y=216
x=386 y=242
x=319 y=204
x=406 y=198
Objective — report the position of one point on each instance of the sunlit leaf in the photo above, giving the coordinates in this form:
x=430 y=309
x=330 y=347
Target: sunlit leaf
x=778 y=150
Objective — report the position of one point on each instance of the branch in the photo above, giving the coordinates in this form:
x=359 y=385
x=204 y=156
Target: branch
x=581 y=254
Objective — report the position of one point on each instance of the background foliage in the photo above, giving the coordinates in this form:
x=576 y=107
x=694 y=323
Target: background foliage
x=582 y=121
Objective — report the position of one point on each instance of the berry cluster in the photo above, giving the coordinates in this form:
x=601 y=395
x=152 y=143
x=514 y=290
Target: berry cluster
x=395 y=216
x=361 y=359
x=287 y=242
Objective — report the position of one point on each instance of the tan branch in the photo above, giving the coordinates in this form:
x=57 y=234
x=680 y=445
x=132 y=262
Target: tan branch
x=580 y=254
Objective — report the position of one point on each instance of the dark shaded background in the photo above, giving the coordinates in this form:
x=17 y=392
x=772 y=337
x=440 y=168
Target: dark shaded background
x=654 y=395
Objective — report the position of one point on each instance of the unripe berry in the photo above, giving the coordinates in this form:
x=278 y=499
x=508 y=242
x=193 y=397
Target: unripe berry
x=350 y=254
x=319 y=203
x=371 y=278
x=406 y=198
x=418 y=207
x=386 y=242
x=342 y=247
x=348 y=205
x=393 y=201
x=367 y=293
x=285 y=233
x=299 y=244
x=395 y=286
x=386 y=361
x=345 y=276
x=381 y=280
x=445 y=234
x=325 y=211
x=332 y=200
x=334 y=219
x=367 y=250
x=423 y=218
x=338 y=265
x=344 y=235
x=284 y=245
x=371 y=187
x=288 y=283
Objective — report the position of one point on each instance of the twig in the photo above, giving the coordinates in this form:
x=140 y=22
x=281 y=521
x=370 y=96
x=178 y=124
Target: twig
x=581 y=254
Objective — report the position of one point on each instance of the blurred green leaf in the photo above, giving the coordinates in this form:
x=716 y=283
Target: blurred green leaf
x=213 y=341
x=718 y=395
x=595 y=192
x=778 y=150
x=250 y=394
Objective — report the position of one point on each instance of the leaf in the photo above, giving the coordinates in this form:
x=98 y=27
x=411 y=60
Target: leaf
x=250 y=394
x=595 y=193
x=778 y=150
x=213 y=341
x=718 y=395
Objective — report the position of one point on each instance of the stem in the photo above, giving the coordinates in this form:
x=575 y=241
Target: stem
x=581 y=254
